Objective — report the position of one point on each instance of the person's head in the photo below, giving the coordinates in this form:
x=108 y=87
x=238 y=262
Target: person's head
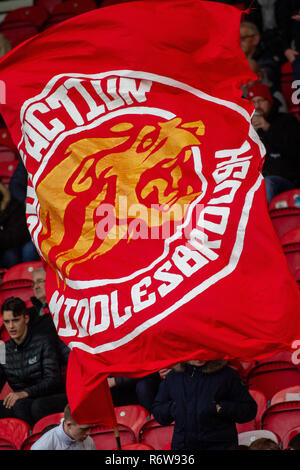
x=262 y=99
x=264 y=443
x=294 y=443
x=78 y=432
x=250 y=38
x=39 y=278
x=15 y=318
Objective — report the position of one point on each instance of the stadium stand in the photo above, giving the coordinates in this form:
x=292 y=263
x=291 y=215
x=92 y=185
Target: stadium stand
x=133 y=416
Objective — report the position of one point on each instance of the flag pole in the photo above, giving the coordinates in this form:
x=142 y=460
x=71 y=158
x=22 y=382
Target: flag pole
x=117 y=436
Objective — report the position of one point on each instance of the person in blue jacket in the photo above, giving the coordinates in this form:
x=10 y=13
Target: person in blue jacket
x=205 y=400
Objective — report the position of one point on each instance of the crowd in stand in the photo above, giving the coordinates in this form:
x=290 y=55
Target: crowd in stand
x=204 y=399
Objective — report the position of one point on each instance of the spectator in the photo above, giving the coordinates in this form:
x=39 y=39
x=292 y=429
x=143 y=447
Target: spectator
x=288 y=19
x=18 y=190
x=205 y=399
x=67 y=436
x=264 y=444
x=294 y=443
x=280 y=133
x=14 y=234
x=31 y=369
x=41 y=321
x=266 y=50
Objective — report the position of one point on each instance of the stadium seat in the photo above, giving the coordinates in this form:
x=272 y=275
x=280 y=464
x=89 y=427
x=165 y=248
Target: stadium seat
x=68 y=9
x=5 y=138
x=156 y=435
x=7 y=154
x=281 y=418
x=14 y=432
x=27 y=443
x=7 y=169
x=246 y=438
x=133 y=416
x=137 y=446
x=105 y=439
x=20 y=288
x=23 y=23
x=287 y=394
x=285 y=356
x=271 y=377
x=22 y=271
x=287 y=78
x=284 y=211
x=40 y=425
x=254 y=424
x=291 y=247
x=289 y=435
x=47 y=4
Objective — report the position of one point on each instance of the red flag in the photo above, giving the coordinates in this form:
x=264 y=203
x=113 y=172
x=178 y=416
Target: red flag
x=145 y=195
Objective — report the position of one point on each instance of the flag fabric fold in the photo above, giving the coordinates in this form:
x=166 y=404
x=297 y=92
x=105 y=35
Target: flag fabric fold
x=145 y=195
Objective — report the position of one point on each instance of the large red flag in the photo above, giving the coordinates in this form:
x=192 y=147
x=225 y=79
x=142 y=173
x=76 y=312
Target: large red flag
x=145 y=195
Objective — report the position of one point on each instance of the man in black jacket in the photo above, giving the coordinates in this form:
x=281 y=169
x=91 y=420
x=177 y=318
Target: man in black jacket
x=40 y=319
x=30 y=367
x=280 y=134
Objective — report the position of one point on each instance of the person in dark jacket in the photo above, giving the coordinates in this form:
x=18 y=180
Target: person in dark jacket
x=280 y=134
x=288 y=20
x=14 y=233
x=30 y=367
x=205 y=399
x=40 y=318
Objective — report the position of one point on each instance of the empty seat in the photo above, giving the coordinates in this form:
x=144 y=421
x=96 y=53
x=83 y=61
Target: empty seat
x=68 y=9
x=246 y=438
x=137 y=446
x=14 y=431
x=289 y=435
x=22 y=271
x=7 y=154
x=281 y=418
x=271 y=377
x=133 y=416
x=287 y=394
x=156 y=435
x=291 y=247
x=20 y=288
x=27 y=443
x=40 y=425
x=105 y=439
x=7 y=169
x=254 y=424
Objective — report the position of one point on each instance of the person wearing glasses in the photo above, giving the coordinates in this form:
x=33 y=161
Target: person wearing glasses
x=41 y=319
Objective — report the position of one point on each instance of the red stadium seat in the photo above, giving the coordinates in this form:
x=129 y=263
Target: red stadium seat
x=20 y=288
x=5 y=138
x=34 y=15
x=133 y=416
x=49 y=5
x=104 y=437
x=261 y=402
x=40 y=425
x=271 y=377
x=7 y=154
x=287 y=78
x=7 y=169
x=22 y=271
x=289 y=435
x=284 y=211
x=285 y=356
x=282 y=418
x=27 y=443
x=137 y=446
x=14 y=432
x=287 y=394
x=246 y=438
x=68 y=9
x=291 y=247
x=286 y=200
x=156 y=435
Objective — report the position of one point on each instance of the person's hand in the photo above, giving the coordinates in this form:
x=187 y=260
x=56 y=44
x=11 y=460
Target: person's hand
x=111 y=382
x=12 y=397
x=218 y=407
x=164 y=372
x=259 y=122
x=291 y=55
